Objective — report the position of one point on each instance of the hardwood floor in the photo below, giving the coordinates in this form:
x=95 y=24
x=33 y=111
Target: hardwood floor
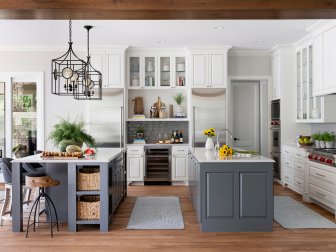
x=190 y=239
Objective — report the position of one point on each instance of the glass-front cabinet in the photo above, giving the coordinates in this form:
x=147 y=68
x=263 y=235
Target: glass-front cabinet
x=142 y=72
x=309 y=108
x=156 y=71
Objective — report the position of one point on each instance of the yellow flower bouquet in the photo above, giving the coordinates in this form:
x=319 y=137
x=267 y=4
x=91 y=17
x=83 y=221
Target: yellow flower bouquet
x=209 y=132
x=225 y=151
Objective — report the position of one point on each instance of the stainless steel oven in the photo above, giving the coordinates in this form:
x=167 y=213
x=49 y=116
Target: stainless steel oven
x=276 y=165
x=276 y=138
x=275 y=110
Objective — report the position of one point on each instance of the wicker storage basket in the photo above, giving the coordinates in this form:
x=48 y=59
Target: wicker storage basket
x=88 y=179
x=88 y=208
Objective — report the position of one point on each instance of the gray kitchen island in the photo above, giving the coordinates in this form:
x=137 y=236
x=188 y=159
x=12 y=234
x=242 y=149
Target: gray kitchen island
x=111 y=164
x=233 y=194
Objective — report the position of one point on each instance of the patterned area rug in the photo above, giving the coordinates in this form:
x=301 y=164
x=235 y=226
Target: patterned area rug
x=290 y=213
x=156 y=213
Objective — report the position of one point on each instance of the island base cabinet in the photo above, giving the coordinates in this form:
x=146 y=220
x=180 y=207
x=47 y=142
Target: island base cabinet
x=232 y=197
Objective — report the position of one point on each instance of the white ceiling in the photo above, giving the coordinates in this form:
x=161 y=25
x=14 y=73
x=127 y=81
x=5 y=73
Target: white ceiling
x=259 y=34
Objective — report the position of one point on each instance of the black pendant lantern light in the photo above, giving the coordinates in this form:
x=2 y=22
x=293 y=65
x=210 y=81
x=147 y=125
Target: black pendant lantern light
x=66 y=71
x=90 y=80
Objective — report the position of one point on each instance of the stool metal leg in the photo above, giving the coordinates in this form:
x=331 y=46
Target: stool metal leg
x=52 y=203
x=31 y=210
x=47 y=210
x=50 y=215
x=37 y=214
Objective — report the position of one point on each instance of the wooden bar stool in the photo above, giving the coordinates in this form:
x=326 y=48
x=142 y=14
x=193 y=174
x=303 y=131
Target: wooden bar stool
x=42 y=182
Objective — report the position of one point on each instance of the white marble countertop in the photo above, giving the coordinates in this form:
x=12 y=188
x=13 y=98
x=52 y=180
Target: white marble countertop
x=103 y=155
x=157 y=144
x=204 y=156
x=295 y=145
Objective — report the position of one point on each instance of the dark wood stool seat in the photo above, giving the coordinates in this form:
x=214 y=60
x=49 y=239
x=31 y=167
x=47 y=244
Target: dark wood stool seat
x=42 y=182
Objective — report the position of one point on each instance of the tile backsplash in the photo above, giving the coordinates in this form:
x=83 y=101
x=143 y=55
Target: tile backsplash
x=152 y=130
x=331 y=127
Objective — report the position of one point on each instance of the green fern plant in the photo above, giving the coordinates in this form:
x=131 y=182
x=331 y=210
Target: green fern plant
x=73 y=131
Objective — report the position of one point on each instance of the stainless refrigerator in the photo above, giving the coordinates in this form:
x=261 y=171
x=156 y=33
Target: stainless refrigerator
x=208 y=111
x=105 y=119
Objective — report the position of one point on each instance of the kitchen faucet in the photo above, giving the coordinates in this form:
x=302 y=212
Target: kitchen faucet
x=218 y=143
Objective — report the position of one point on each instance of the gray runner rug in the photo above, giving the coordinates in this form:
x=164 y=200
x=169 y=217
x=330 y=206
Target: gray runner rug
x=290 y=213
x=156 y=213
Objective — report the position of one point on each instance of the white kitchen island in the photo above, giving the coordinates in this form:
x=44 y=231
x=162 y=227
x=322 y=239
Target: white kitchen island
x=234 y=194
x=112 y=173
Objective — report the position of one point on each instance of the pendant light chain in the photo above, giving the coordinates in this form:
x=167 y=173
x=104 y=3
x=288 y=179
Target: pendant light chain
x=70 y=31
x=88 y=38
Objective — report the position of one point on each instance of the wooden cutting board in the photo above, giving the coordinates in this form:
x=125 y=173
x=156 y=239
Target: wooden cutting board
x=60 y=158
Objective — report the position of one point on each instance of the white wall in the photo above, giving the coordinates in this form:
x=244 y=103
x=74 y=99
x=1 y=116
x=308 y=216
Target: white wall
x=55 y=106
x=249 y=64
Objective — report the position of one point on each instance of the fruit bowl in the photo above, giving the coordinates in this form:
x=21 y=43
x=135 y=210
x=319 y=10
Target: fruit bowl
x=305 y=141
x=306 y=144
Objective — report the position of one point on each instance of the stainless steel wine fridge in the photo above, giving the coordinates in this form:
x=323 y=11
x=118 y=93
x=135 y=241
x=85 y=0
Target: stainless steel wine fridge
x=157 y=165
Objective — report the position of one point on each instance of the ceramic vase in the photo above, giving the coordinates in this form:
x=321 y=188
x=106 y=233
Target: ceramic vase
x=209 y=144
x=317 y=144
x=330 y=144
x=322 y=144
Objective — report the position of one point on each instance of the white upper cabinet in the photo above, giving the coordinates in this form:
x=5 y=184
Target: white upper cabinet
x=218 y=69
x=111 y=63
x=276 y=77
x=324 y=55
x=199 y=76
x=115 y=65
x=208 y=68
x=329 y=61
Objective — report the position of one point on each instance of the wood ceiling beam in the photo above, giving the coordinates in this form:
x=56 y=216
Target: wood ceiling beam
x=168 y=9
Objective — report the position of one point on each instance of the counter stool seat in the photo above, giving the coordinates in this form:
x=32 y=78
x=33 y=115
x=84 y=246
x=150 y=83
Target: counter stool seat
x=42 y=182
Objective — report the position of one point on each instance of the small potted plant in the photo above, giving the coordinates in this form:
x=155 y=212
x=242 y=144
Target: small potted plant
x=140 y=132
x=329 y=139
x=209 y=144
x=326 y=137
x=317 y=137
x=179 y=98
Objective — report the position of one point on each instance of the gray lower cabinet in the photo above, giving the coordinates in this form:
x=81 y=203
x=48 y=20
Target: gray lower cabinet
x=112 y=191
x=118 y=181
x=232 y=197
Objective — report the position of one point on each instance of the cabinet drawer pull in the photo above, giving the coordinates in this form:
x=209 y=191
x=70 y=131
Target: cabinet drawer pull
x=321 y=194
x=321 y=175
x=298 y=183
x=287 y=152
x=286 y=177
x=287 y=163
x=299 y=167
x=298 y=155
x=180 y=150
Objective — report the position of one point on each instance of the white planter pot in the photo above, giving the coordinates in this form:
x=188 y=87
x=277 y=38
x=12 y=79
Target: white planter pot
x=209 y=144
x=322 y=144
x=317 y=144
x=179 y=109
x=330 y=144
